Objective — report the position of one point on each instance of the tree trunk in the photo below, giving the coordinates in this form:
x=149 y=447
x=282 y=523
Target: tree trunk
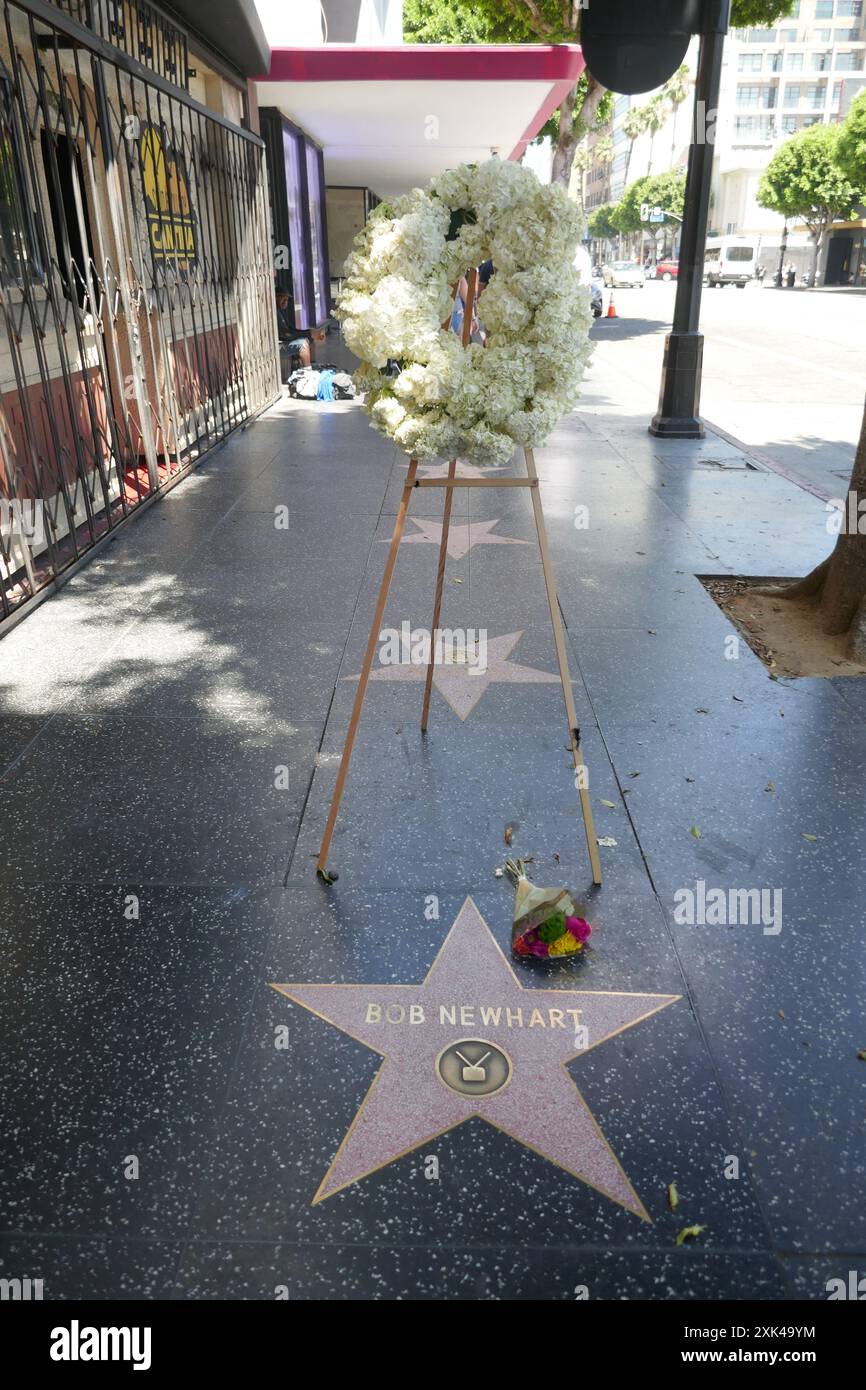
x=813 y=264
x=563 y=155
x=838 y=584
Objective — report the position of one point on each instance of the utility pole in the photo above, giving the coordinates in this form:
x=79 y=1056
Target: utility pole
x=678 y=415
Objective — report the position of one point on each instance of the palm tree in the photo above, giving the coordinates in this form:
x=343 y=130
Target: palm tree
x=656 y=115
x=604 y=149
x=675 y=91
x=634 y=124
x=582 y=162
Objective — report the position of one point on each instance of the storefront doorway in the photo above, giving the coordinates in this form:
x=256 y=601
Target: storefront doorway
x=137 y=324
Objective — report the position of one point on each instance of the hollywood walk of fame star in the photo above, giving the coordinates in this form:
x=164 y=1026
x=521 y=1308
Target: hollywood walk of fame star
x=471 y=1004
x=463 y=470
x=461 y=539
x=461 y=684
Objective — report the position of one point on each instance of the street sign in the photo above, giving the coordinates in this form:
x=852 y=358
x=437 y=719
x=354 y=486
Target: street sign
x=652 y=213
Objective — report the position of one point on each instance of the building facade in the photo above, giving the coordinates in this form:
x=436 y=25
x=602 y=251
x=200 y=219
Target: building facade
x=776 y=82
x=138 y=309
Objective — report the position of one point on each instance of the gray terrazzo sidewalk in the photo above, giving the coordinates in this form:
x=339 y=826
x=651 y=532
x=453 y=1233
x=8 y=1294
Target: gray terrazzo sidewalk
x=172 y=724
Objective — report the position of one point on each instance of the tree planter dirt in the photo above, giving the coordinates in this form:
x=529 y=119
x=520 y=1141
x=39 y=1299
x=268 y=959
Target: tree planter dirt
x=782 y=626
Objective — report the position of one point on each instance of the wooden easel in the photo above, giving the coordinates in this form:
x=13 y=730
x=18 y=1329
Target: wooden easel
x=449 y=483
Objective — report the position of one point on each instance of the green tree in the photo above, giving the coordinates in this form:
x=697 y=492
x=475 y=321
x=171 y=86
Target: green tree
x=851 y=149
x=666 y=191
x=600 y=223
x=837 y=587
x=804 y=181
x=441 y=21
x=545 y=21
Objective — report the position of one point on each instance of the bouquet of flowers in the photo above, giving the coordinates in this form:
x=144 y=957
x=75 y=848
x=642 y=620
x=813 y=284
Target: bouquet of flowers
x=546 y=920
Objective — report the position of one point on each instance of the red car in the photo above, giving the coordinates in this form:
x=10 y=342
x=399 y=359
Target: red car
x=667 y=270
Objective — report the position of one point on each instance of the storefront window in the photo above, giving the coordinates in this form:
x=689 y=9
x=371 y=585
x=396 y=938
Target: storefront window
x=297 y=189
x=318 y=257
x=292 y=150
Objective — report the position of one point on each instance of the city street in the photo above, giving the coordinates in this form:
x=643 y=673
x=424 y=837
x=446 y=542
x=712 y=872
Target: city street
x=784 y=370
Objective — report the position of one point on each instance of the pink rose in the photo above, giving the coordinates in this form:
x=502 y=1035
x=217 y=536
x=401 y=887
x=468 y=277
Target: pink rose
x=579 y=929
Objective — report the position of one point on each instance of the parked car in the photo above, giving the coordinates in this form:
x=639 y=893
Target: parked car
x=587 y=272
x=596 y=301
x=624 y=275
x=667 y=270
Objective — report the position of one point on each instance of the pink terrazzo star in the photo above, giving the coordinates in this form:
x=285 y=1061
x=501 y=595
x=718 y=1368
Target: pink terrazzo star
x=461 y=539
x=463 y=470
x=461 y=684
x=473 y=1004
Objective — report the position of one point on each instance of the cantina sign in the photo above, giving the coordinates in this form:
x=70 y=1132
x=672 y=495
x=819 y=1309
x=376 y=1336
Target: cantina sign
x=171 y=223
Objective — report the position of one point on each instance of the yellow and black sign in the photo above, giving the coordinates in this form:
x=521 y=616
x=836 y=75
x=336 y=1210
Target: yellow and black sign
x=171 y=222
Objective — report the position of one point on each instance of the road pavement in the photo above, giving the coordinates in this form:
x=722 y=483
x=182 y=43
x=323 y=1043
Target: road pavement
x=784 y=370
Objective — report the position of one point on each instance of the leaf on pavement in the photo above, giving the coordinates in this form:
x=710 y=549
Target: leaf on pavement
x=689 y=1233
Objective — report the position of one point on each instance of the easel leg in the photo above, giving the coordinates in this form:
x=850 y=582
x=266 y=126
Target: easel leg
x=354 y=720
x=437 y=602
x=564 y=673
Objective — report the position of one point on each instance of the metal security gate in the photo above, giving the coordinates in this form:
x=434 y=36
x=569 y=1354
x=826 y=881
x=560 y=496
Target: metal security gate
x=136 y=288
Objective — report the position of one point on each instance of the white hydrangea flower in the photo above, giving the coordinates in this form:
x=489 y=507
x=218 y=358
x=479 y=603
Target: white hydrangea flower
x=447 y=401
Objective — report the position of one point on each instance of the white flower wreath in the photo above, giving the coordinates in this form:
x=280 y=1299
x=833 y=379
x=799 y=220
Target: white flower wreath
x=478 y=402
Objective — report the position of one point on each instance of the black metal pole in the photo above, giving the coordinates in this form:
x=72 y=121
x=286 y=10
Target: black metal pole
x=678 y=415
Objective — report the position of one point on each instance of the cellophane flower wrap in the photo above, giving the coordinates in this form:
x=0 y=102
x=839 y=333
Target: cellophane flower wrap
x=547 y=924
x=476 y=403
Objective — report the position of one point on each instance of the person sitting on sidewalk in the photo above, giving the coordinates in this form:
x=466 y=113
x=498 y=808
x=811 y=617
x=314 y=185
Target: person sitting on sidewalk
x=294 y=342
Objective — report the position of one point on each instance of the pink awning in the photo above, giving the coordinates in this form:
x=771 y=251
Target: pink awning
x=391 y=118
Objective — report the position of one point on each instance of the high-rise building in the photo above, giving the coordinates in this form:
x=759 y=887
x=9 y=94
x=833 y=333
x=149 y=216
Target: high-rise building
x=775 y=82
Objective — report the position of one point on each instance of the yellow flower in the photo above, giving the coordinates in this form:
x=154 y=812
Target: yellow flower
x=565 y=946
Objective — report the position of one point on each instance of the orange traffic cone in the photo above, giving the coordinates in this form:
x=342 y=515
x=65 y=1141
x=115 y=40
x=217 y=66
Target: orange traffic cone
x=611 y=308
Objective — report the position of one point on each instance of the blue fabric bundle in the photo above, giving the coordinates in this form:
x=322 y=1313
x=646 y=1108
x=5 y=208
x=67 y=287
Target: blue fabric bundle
x=326 y=385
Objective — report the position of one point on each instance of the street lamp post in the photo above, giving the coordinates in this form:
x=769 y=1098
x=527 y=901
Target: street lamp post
x=779 y=277
x=678 y=414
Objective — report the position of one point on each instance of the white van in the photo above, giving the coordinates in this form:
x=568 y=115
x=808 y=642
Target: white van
x=730 y=260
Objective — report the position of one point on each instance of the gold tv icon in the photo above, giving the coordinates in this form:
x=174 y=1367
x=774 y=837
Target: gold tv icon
x=473 y=1071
